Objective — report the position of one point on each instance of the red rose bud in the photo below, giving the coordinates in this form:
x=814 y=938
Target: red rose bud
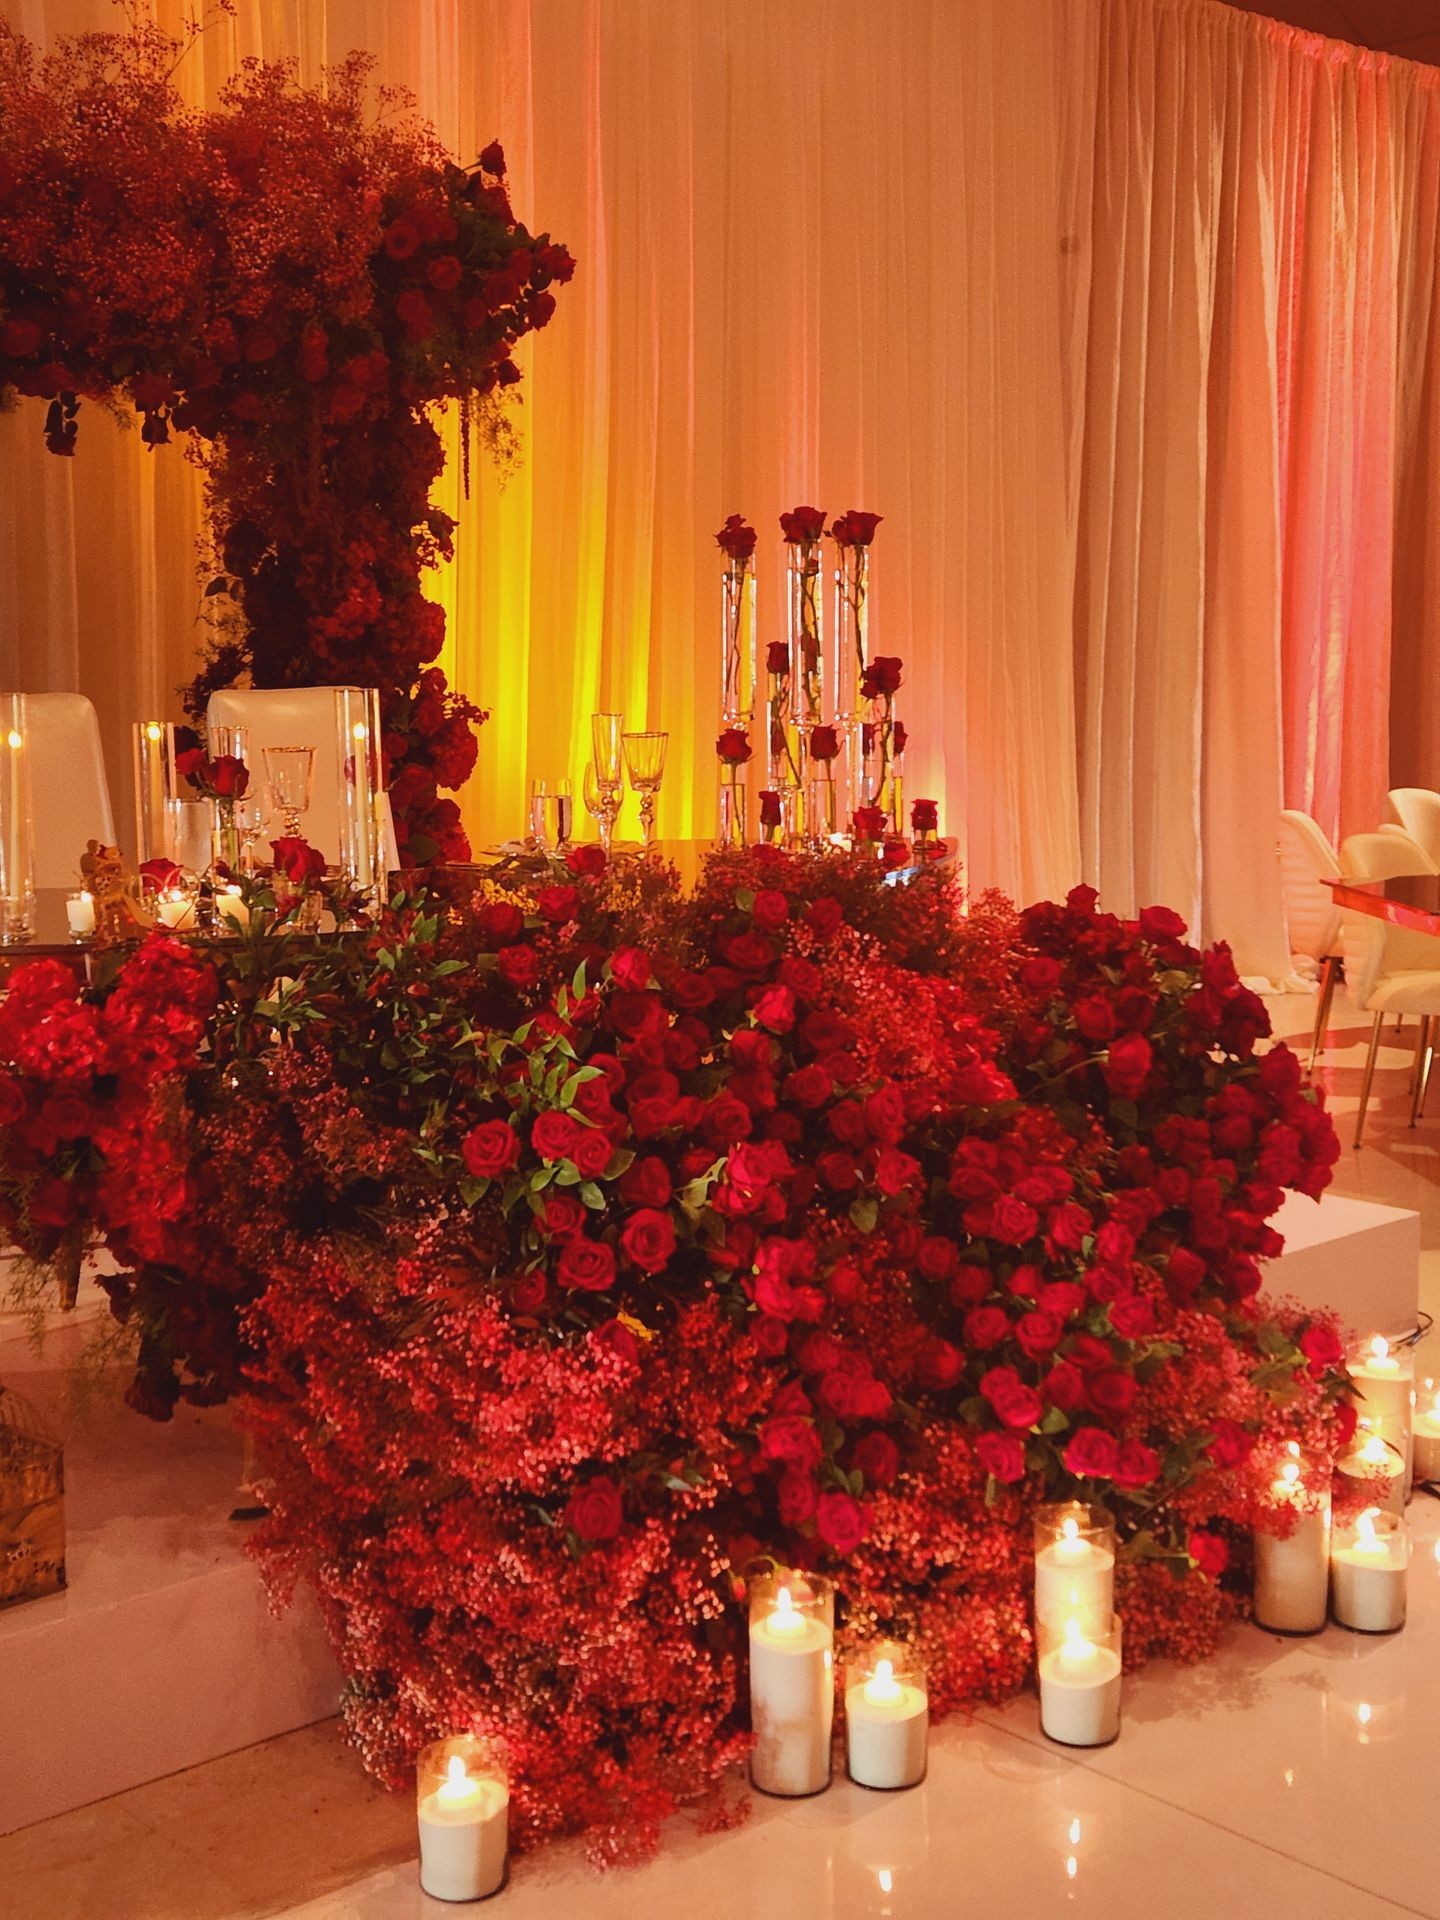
x=777 y=657
x=803 y=525
x=298 y=860
x=870 y=823
x=824 y=743
x=855 y=529
x=770 y=809
x=733 y=746
x=883 y=676
x=492 y=159
x=736 y=537
x=897 y=851
x=925 y=816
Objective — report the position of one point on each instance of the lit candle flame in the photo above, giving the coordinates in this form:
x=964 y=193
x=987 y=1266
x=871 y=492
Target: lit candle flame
x=1379 y=1346
x=1077 y=1650
x=785 y=1619
x=882 y=1686
x=15 y=741
x=152 y=730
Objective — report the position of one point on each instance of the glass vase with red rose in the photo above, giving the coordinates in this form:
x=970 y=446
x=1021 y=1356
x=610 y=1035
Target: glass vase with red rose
x=733 y=752
x=736 y=540
x=783 y=757
x=852 y=534
x=803 y=528
x=824 y=754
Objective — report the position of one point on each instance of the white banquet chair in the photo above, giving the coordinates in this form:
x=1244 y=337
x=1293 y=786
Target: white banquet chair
x=1312 y=918
x=1389 y=969
x=69 y=791
x=1417 y=813
x=302 y=717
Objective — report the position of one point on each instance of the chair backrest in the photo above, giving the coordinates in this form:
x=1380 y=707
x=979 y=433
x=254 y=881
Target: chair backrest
x=301 y=717
x=1387 y=855
x=1417 y=810
x=70 y=793
x=1306 y=859
x=1373 y=947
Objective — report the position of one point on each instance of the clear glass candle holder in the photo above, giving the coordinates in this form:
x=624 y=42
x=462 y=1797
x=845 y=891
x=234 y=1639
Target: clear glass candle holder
x=1292 y=1554
x=80 y=916
x=1369 y=1572
x=1079 y=1670
x=1074 y=1563
x=176 y=904
x=887 y=1717
x=462 y=1804
x=792 y=1685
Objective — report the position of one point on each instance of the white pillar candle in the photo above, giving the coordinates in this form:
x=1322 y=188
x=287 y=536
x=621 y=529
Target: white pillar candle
x=792 y=1693
x=80 y=913
x=464 y=1825
x=1074 y=1565
x=1080 y=1686
x=231 y=907
x=176 y=910
x=1425 y=1436
x=887 y=1725
x=1375 y=1460
x=1292 y=1574
x=1385 y=1380
x=1369 y=1567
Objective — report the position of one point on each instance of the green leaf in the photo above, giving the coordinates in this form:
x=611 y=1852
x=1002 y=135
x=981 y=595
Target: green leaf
x=864 y=1212
x=1055 y=1421
x=745 y=899
x=472 y=1189
x=593 y=1196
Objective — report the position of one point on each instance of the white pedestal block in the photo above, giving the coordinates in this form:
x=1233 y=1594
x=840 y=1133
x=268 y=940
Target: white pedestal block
x=1360 y=1259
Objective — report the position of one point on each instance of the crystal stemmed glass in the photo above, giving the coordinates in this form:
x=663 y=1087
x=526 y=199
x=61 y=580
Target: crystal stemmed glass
x=250 y=819
x=607 y=741
x=290 y=774
x=602 y=803
x=645 y=759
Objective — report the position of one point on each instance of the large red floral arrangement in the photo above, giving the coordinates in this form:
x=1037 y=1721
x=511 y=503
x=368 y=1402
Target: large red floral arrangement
x=295 y=282
x=573 y=1249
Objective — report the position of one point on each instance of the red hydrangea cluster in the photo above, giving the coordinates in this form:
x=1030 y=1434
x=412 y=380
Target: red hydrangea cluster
x=294 y=281
x=583 y=1246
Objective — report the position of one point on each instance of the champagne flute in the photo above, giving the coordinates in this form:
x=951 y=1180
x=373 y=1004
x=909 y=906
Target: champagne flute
x=645 y=760
x=607 y=742
x=551 y=814
x=602 y=803
x=290 y=774
x=250 y=819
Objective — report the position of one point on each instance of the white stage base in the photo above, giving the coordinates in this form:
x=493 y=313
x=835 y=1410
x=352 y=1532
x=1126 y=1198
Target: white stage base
x=1358 y=1258
x=162 y=1652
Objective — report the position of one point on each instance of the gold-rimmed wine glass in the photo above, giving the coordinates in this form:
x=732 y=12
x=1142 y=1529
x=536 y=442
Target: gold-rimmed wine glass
x=607 y=743
x=645 y=761
x=290 y=775
x=602 y=803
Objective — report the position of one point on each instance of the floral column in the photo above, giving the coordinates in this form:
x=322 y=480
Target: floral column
x=852 y=533
x=803 y=528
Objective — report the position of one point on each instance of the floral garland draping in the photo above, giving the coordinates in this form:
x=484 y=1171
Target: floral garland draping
x=574 y=1247
x=295 y=282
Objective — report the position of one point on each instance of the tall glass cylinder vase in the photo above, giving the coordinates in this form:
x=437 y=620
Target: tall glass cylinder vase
x=821 y=818
x=156 y=790
x=783 y=760
x=732 y=824
x=17 y=823
x=883 y=737
x=224 y=840
x=737 y=643
x=357 y=729
x=851 y=647
x=803 y=598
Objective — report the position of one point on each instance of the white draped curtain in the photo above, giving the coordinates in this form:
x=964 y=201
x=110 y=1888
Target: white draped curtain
x=1121 y=312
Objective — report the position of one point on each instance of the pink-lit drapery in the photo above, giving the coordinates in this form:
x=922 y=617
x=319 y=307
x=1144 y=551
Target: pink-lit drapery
x=1120 y=311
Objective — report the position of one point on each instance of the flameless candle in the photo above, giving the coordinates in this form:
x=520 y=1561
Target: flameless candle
x=80 y=912
x=1074 y=1564
x=1292 y=1575
x=1385 y=1379
x=792 y=1693
x=463 y=1809
x=1369 y=1564
x=1376 y=1460
x=887 y=1719
x=1425 y=1436
x=1080 y=1683
x=230 y=905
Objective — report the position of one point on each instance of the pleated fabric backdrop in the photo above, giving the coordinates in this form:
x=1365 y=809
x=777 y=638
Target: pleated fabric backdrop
x=1120 y=311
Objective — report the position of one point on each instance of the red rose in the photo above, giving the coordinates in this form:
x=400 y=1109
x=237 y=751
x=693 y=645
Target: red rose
x=840 y=1521
x=854 y=529
x=553 y=1136
x=594 y=1510
x=592 y=1152
x=401 y=239
x=1230 y=1444
x=1112 y=1392
x=491 y=1149
x=797 y=1498
x=444 y=273
x=1320 y=1347
x=1092 y=1454
x=1132 y=1318
x=229 y=776
x=870 y=823
x=838 y=1172
x=564 y=1213
x=895 y=1171
x=631 y=969
x=1095 y=1017
x=19 y=339
x=884 y=675
x=1161 y=923
x=1039 y=1333
x=824 y=744
x=771 y=812
x=924 y=817
x=587 y=861
x=1020 y=1407
x=824 y=915
x=1002 y=1455
x=648 y=1240
x=1013 y=1221
x=733 y=746
x=986 y=1327
x=51 y=1203
x=500 y=923
x=557 y=904
x=519 y=967
x=529 y=1293
x=941 y=1364
x=492 y=160
x=298 y=860
x=775 y=1009
x=771 y=910
x=1127 y=1066
x=803 y=525
x=736 y=537
x=1064 y=1386
x=1209 y=1552
x=587 y=1264
x=12 y=1101
x=1136 y=1465
x=878 y=1458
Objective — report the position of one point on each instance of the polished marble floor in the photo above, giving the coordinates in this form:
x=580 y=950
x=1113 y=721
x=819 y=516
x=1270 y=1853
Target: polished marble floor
x=1285 y=1778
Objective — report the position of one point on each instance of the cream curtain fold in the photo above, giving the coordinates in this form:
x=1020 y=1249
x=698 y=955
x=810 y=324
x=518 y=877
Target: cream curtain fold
x=1120 y=311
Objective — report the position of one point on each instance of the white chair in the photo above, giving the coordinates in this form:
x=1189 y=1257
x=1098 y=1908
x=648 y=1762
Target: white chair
x=70 y=794
x=305 y=717
x=1312 y=918
x=1389 y=969
x=1417 y=813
